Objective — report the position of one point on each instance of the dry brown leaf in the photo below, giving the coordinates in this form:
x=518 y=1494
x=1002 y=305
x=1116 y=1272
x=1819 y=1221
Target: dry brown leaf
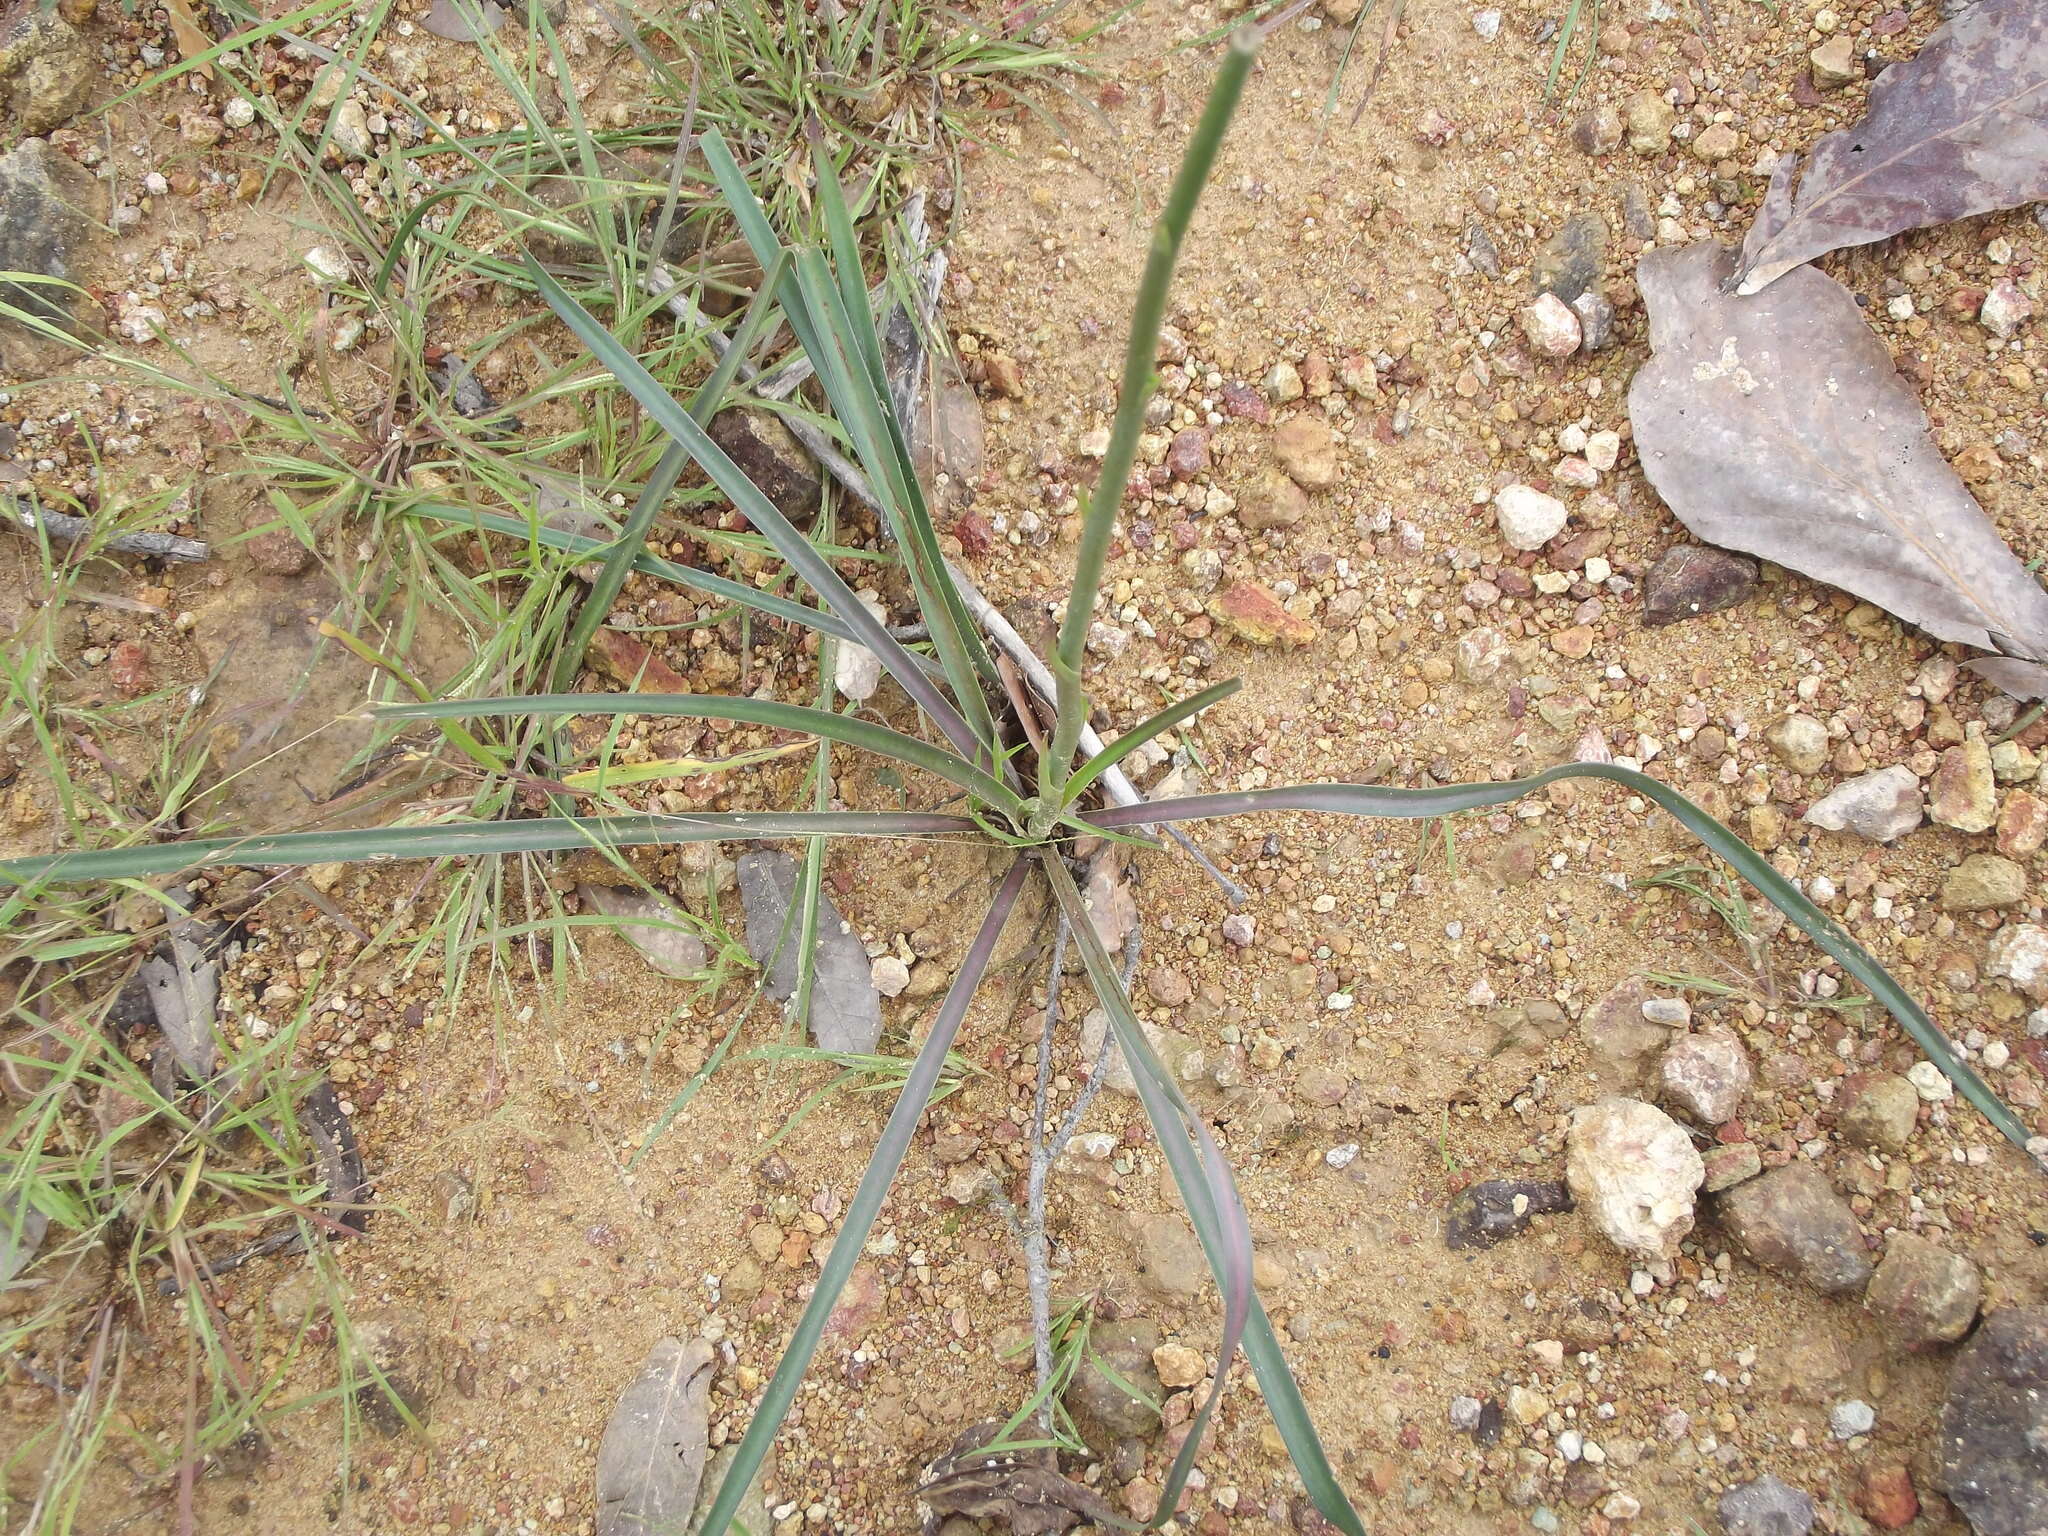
x=655 y=927
x=1777 y=425
x=652 y=1456
x=192 y=39
x=1960 y=129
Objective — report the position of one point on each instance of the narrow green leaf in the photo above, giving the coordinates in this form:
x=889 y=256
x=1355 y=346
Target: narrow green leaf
x=862 y=1209
x=1131 y=740
x=1213 y=1204
x=851 y=730
x=1373 y=800
x=618 y=561
x=463 y=840
x=1141 y=352
x=758 y=510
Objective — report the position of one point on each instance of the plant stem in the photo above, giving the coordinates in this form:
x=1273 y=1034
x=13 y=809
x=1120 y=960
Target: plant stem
x=1140 y=353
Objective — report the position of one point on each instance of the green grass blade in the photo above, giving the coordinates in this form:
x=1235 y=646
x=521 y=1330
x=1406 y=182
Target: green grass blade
x=1372 y=800
x=618 y=562
x=1140 y=355
x=1130 y=741
x=1202 y=1174
x=854 y=732
x=758 y=510
x=823 y=620
x=863 y=1208
x=462 y=840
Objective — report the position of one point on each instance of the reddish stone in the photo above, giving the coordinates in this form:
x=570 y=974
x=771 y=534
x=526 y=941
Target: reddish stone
x=1255 y=614
x=128 y=667
x=631 y=664
x=1188 y=455
x=2022 y=825
x=1884 y=1496
x=1003 y=376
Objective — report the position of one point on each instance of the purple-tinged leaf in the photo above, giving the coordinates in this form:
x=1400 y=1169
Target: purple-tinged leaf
x=1960 y=129
x=1778 y=426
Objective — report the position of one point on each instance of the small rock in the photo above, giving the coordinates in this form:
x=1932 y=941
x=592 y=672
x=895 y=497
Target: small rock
x=47 y=69
x=1255 y=615
x=1179 y=1366
x=1481 y=251
x=350 y=134
x=1498 y=1209
x=1881 y=806
x=1690 y=580
x=1169 y=1259
x=890 y=976
x=1923 y=1294
x=1528 y=518
x=2005 y=309
x=1101 y=1401
x=1244 y=403
x=279 y=553
x=1650 y=121
x=1791 y=1220
x=1964 y=791
x=1623 y=1044
x=1883 y=1492
x=1275 y=502
x=1282 y=384
x=1994 y=1442
x=1464 y=1414
x=1240 y=928
x=772 y=458
x=2019 y=953
x=1167 y=986
x=1572 y=261
x=1847 y=1420
x=1597 y=130
x=1634 y=1168
x=1800 y=741
x=1596 y=334
x=1487 y=24
x=1707 y=1075
x=656 y=927
x=128 y=669
x=1717 y=141
x=1307 y=450
x=1002 y=376
x=1730 y=1165
x=402 y=1346
x=1766 y=1507
x=1878 y=1112
x=1478 y=655
x=1188 y=454
x=1526 y=1406
x=1834 y=63
x=1930 y=1083
x=45 y=224
x=1984 y=882
x=1553 y=330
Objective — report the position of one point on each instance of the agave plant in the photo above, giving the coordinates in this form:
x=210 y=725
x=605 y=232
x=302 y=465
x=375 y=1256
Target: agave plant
x=1032 y=803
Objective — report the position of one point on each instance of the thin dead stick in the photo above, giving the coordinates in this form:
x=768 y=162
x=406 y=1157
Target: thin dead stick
x=76 y=530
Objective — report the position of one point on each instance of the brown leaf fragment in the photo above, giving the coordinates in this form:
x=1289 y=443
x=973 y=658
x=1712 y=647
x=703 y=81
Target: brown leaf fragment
x=1018 y=1487
x=652 y=1456
x=1960 y=129
x=630 y=664
x=191 y=38
x=1777 y=425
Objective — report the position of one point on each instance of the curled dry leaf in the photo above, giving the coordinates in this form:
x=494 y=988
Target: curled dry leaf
x=652 y=1456
x=463 y=21
x=1022 y=1489
x=341 y=1164
x=655 y=927
x=1960 y=129
x=1777 y=425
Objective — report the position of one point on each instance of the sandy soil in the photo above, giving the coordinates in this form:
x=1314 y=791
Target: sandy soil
x=530 y=1269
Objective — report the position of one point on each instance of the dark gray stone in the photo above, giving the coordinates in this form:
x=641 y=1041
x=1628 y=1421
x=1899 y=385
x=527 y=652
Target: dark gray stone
x=1994 y=1428
x=1792 y=1221
x=1102 y=1408
x=1690 y=581
x=771 y=457
x=45 y=203
x=1572 y=260
x=1487 y=1213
